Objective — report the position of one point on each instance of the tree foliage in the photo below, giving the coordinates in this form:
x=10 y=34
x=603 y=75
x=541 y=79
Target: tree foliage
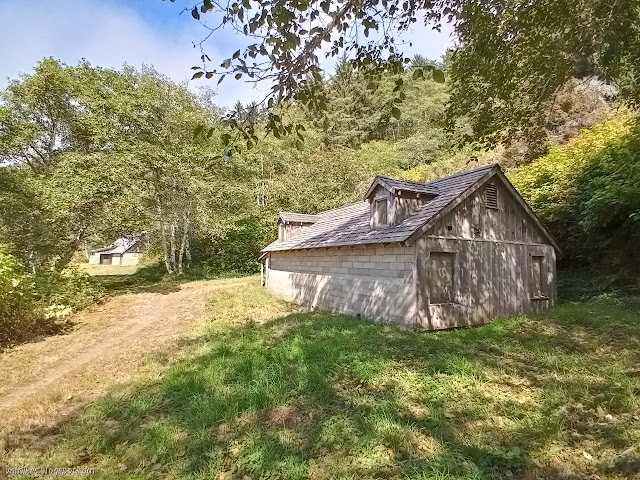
x=514 y=58
x=588 y=192
x=511 y=60
x=124 y=160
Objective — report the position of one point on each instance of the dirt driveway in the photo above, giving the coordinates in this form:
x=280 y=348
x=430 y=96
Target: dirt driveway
x=43 y=381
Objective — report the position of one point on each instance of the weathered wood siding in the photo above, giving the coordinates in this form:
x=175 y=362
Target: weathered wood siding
x=289 y=230
x=472 y=219
x=378 y=193
x=493 y=274
x=375 y=282
x=399 y=207
x=406 y=205
x=292 y=229
x=490 y=280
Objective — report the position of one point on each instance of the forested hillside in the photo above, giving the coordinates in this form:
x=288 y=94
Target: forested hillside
x=91 y=154
x=588 y=193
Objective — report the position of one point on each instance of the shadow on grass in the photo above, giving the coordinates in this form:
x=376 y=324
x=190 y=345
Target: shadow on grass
x=322 y=396
x=144 y=278
x=13 y=335
x=154 y=279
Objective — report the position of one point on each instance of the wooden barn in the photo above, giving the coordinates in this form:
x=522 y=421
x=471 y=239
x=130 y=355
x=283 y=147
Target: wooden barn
x=124 y=251
x=457 y=251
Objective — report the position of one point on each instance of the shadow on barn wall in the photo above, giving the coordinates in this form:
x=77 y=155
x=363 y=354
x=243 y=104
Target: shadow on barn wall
x=393 y=284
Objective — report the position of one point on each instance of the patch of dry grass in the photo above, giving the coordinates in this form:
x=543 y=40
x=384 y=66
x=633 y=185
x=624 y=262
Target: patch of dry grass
x=131 y=336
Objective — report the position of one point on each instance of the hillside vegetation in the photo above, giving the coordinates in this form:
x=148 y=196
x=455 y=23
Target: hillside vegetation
x=588 y=193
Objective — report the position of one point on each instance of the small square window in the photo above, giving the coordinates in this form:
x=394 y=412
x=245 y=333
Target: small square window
x=441 y=281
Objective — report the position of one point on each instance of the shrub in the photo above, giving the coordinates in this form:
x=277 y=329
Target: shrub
x=236 y=251
x=19 y=309
x=72 y=288
x=32 y=305
x=588 y=193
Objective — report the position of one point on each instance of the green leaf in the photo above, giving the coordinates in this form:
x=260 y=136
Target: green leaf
x=195 y=14
x=418 y=73
x=438 y=75
x=197 y=75
x=395 y=111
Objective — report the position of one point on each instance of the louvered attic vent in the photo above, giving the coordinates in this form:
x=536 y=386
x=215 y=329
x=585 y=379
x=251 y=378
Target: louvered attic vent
x=491 y=192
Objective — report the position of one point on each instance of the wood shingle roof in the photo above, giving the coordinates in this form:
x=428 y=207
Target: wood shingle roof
x=349 y=225
x=394 y=185
x=298 y=217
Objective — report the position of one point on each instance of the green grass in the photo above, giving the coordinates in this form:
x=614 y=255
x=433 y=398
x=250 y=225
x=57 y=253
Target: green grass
x=273 y=392
x=151 y=276
x=127 y=278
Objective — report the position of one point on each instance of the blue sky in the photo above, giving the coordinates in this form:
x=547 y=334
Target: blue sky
x=110 y=33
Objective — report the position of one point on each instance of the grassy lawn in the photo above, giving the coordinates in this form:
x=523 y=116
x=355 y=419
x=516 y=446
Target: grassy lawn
x=125 y=278
x=108 y=270
x=118 y=279
x=273 y=392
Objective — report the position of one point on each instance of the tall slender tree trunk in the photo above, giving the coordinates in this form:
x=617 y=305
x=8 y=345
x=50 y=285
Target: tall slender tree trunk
x=165 y=249
x=163 y=238
x=173 y=245
x=73 y=247
x=187 y=252
x=183 y=243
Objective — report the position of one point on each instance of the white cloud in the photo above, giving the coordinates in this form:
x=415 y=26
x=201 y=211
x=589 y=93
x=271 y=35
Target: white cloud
x=109 y=34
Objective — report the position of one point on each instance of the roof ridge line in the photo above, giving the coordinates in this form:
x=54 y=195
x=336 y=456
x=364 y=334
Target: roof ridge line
x=454 y=175
x=340 y=208
x=298 y=213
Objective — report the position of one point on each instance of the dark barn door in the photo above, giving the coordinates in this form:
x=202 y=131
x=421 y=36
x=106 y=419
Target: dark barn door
x=105 y=259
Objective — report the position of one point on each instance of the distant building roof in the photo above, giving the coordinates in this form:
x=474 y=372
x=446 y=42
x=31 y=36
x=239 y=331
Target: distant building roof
x=349 y=225
x=121 y=245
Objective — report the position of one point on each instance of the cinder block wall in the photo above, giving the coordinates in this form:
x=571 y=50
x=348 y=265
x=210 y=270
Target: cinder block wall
x=375 y=282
